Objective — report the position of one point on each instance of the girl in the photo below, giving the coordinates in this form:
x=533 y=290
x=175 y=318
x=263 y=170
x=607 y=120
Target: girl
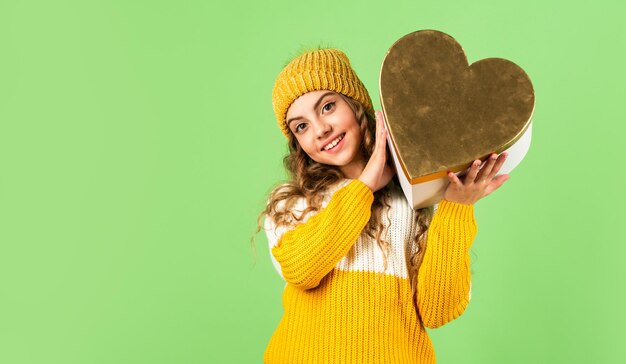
x=365 y=273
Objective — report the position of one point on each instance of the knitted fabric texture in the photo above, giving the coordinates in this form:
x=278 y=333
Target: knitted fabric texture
x=323 y=69
x=341 y=305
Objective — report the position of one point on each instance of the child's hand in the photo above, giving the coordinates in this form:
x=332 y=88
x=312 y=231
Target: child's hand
x=377 y=173
x=476 y=184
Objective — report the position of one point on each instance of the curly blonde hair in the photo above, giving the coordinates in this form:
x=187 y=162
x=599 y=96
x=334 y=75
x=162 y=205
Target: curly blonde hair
x=308 y=177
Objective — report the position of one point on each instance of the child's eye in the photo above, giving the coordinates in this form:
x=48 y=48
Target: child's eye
x=330 y=103
x=298 y=127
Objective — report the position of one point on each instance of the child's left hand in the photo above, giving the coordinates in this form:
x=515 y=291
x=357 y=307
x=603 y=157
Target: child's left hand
x=476 y=184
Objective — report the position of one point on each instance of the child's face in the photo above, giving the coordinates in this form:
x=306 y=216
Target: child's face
x=327 y=130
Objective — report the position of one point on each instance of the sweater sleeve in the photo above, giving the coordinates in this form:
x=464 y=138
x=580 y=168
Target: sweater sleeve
x=443 y=281
x=306 y=253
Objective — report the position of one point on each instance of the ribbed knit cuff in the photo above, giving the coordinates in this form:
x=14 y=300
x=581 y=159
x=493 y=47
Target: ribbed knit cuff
x=456 y=218
x=361 y=190
x=456 y=211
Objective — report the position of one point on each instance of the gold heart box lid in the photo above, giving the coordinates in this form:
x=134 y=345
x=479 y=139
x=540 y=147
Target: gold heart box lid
x=442 y=114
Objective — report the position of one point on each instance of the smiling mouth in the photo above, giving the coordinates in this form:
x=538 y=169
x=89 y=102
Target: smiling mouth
x=334 y=142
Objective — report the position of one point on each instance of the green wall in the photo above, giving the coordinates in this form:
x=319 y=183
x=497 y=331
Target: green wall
x=138 y=144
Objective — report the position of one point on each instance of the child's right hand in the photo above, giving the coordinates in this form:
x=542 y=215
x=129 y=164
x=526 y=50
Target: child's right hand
x=377 y=173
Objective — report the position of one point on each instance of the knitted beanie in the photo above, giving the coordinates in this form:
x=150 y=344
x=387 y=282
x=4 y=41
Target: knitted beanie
x=323 y=69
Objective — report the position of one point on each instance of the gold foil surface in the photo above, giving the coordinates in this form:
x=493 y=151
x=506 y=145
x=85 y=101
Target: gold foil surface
x=441 y=113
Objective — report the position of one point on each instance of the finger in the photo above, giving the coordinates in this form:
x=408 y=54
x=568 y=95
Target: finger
x=454 y=179
x=380 y=116
x=381 y=120
x=381 y=124
x=381 y=137
x=498 y=165
x=484 y=172
x=496 y=183
x=376 y=163
x=471 y=175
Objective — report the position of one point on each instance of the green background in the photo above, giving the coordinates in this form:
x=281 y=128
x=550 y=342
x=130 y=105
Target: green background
x=138 y=144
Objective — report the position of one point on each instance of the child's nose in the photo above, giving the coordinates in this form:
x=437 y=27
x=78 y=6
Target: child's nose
x=323 y=129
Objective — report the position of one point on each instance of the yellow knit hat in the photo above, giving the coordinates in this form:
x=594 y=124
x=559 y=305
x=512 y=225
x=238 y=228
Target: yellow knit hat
x=323 y=69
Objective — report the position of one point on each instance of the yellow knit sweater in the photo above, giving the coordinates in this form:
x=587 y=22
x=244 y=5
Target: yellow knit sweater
x=339 y=305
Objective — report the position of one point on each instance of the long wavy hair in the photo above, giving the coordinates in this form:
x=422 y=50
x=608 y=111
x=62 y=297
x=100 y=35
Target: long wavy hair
x=308 y=177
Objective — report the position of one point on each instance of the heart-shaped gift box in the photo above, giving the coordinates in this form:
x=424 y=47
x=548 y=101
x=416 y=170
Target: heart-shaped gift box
x=442 y=114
